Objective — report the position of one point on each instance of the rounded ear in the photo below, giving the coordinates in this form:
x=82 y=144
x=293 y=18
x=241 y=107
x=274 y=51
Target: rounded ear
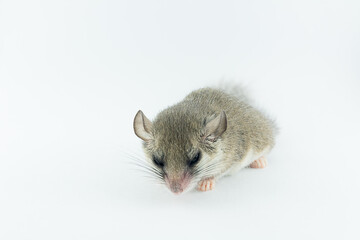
x=142 y=126
x=215 y=128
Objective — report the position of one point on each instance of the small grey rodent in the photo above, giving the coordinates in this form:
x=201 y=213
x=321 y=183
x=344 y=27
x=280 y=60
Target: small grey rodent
x=211 y=133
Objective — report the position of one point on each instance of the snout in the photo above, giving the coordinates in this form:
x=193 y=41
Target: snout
x=177 y=185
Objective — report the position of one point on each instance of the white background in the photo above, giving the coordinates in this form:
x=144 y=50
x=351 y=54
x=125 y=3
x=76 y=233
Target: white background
x=74 y=73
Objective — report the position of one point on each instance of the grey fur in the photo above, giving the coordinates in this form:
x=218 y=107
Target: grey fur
x=179 y=131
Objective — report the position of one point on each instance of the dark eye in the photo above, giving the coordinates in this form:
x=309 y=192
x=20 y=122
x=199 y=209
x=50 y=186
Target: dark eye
x=158 y=162
x=195 y=160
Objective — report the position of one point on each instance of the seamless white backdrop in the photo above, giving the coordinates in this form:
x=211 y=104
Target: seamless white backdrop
x=74 y=73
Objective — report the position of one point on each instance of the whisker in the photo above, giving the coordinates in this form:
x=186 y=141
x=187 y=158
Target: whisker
x=143 y=166
x=209 y=168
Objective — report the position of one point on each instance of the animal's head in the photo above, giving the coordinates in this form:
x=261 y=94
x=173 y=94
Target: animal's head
x=179 y=149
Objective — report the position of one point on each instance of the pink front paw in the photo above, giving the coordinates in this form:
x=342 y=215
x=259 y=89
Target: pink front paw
x=206 y=184
x=259 y=163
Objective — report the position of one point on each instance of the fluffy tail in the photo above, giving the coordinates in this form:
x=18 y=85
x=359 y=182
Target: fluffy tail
x=237 y=90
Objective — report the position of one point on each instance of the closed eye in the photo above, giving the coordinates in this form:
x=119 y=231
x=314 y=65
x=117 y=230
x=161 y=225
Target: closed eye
x=158 y=162
x=194 y=160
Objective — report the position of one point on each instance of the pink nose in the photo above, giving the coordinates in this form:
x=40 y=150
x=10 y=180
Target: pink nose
x=176 y=187
x=177 y=184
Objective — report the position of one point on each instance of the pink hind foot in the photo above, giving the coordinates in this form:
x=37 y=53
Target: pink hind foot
x=206 y=184
x=259 y=163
